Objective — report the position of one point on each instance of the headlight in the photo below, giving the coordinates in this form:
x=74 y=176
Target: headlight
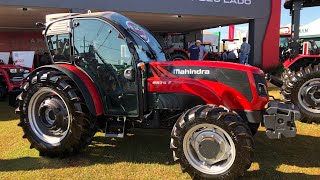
x=13 y=70
x=261 y=84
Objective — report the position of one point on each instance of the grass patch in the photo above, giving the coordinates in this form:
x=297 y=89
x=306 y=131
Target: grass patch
x=146 y=155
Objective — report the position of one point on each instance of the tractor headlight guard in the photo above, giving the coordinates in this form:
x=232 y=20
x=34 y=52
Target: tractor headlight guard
x=13 y=71
x=261 y=84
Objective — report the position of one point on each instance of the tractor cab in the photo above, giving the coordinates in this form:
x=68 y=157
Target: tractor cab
x=107 y=46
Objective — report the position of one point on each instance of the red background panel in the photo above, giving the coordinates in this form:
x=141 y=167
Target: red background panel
x=22 y=41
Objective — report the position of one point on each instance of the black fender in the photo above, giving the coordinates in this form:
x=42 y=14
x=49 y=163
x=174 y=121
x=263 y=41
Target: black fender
x=90 y=92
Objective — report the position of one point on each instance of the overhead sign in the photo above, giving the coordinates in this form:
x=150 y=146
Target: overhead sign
x=4 y=57
x=23 y=58
x=238 y=2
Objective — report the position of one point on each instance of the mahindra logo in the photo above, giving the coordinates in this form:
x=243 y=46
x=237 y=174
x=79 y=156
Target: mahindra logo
x=190 y=71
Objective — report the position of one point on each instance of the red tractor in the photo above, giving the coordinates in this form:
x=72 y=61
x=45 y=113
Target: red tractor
x=11 y=77
x=177 y=54
x=110 y=74
x=300 y=82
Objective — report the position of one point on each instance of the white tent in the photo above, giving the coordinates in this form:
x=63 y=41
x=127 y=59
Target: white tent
x=310 y=30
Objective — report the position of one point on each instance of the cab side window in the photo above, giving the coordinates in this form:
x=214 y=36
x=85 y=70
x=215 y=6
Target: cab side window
x=58 y=37
x=103 y=53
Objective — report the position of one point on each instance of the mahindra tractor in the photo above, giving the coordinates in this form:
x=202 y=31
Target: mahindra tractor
x=110 y=74
x=11 y=77
x=300 y=81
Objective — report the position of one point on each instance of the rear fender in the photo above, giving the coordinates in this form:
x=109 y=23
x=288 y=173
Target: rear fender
x=301 y=61
x=84 y=83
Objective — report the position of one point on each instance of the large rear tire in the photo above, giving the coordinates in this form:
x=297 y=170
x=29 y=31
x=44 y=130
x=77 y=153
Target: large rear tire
x=54 y=116
x=211 y=142
x=302 y=88
x=177 y=55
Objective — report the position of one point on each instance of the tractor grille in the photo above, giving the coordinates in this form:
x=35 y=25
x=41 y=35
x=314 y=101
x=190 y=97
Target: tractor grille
x=15 y=75
x=235 y=79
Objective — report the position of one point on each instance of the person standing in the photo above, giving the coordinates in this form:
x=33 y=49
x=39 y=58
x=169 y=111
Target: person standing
x=244 y=52
x=203 y=52
x=232 y=56
x=225 y=55
x=197 y=51
x=193 y=52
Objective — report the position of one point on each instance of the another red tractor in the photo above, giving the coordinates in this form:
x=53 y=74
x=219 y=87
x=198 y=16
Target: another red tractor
x=11 y=77
x=177 y=54
x=301 y=80
x=110 y=74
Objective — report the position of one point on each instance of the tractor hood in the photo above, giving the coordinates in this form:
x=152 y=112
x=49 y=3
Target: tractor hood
x=234 y=85
x=205 y=68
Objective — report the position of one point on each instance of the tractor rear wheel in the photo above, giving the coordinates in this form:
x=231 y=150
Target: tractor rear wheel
x=212 y=142
x=177 y=55
x=302 y=88
x=3 y=92
x=53 y=115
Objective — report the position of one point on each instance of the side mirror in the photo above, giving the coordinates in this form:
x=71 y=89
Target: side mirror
x=129 y=74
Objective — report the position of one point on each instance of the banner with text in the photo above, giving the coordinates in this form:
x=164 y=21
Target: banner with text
x=23 y=58
x=4 y=57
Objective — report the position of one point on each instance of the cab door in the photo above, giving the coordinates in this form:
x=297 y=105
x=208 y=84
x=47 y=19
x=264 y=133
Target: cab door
x=103 y=53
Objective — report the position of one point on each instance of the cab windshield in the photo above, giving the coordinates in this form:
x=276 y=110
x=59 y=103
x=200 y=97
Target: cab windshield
x=147 y=46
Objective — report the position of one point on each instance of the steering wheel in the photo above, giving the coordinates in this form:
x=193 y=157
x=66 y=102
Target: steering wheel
x=1 y=61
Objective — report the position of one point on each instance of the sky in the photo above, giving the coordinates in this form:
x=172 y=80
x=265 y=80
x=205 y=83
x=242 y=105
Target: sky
x=308 y=15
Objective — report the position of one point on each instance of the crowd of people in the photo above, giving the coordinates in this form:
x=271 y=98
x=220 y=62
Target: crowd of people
x=198 y=52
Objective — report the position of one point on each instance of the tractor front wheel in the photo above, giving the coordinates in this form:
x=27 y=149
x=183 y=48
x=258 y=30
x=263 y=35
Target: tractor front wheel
x=211 y=142
x=302 y=88
x=54 y=116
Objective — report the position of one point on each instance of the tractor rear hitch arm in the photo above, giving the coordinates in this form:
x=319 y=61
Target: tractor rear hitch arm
x=279 y=120
x=273 y=80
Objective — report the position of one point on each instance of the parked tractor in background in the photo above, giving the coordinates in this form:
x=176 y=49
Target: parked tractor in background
x=182 y=54
x=11 y=77
x=301 y=79
x=213 y=108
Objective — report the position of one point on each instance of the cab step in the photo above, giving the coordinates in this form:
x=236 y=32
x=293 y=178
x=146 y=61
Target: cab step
x=116 y=129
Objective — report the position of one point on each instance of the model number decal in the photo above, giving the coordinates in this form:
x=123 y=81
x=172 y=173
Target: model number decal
x=240 y=2
x=161 y=82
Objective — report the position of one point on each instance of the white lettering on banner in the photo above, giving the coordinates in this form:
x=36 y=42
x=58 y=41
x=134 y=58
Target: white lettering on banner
x=23 y=58
x=239 y=2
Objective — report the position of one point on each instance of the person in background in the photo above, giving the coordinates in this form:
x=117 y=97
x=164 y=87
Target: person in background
x=225 y=55
x=203 y=52
x=193 y=52
x=232 y=56
x=244 y=52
